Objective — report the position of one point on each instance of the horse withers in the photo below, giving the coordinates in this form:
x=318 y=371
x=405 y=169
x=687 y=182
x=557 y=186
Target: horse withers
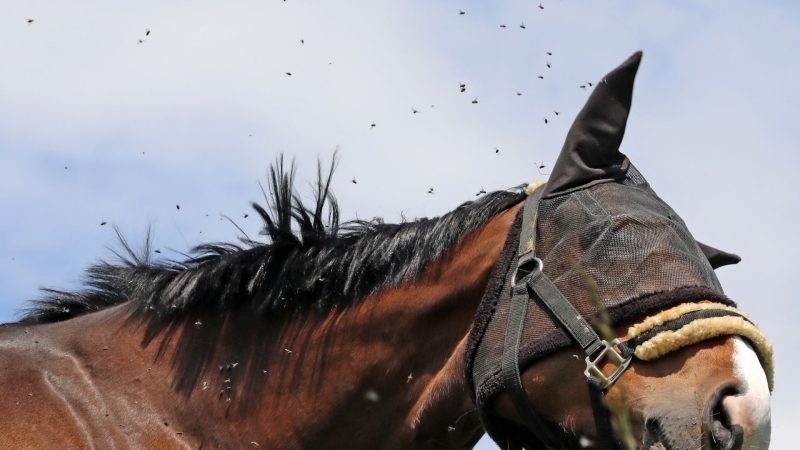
x=397 y=336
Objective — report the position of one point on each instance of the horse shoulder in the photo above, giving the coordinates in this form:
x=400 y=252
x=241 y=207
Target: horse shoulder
x=49 y=398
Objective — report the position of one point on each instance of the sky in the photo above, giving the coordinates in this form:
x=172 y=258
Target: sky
x=97 y=127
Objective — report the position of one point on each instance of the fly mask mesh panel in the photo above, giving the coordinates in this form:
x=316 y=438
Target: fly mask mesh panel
x=624 y=237
x=635 y=248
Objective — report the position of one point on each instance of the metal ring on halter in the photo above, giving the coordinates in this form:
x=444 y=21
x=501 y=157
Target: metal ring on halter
x=523 y=268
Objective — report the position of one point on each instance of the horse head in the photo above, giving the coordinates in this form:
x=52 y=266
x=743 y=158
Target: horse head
x=602 y=257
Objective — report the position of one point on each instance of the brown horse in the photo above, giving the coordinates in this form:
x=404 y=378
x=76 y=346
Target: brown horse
x=351 y=337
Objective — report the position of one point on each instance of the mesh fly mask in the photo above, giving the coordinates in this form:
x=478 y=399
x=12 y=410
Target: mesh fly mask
x=596 y=219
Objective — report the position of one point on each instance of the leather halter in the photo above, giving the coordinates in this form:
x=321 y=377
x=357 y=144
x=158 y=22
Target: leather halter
x=531 y=284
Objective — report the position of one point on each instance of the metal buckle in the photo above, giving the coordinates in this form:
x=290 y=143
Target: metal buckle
x=610 y=353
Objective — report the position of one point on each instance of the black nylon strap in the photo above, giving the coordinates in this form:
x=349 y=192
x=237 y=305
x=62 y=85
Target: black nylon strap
x=516 y=318
x=567 y=315
x=583 y=333
x=602 y=418
x=527 y=234
x=539 y=283
x=510 y=365
x=531 y=282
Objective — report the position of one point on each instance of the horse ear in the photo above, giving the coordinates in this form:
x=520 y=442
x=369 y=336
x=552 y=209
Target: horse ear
x=591 y=151
x=718 y=258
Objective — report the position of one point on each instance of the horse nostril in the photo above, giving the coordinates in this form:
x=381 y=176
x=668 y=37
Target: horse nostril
x=653 y=435
x=722 y=434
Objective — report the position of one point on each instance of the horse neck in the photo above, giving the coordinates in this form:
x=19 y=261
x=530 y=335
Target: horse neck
x=386 y=372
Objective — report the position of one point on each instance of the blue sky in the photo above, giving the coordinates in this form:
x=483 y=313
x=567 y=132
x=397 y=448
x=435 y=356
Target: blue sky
x=95 y=126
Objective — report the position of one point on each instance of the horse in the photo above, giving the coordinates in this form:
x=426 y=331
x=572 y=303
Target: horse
x=365 y=334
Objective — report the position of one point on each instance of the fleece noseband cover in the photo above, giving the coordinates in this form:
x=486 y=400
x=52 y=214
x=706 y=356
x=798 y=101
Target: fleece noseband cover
x=690 y=323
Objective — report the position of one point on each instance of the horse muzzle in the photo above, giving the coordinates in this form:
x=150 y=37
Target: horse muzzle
x=736 y=416
x=740 y=417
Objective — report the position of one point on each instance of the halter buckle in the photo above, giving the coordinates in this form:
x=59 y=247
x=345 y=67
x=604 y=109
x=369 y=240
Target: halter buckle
x=609 y=353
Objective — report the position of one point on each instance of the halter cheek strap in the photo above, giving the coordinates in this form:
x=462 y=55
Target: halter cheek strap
x=531 y=284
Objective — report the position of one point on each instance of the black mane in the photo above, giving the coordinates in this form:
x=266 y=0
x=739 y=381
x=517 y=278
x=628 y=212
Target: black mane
x=308 y=261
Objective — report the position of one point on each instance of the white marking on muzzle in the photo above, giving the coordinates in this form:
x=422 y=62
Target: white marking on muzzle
x=751 y=408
